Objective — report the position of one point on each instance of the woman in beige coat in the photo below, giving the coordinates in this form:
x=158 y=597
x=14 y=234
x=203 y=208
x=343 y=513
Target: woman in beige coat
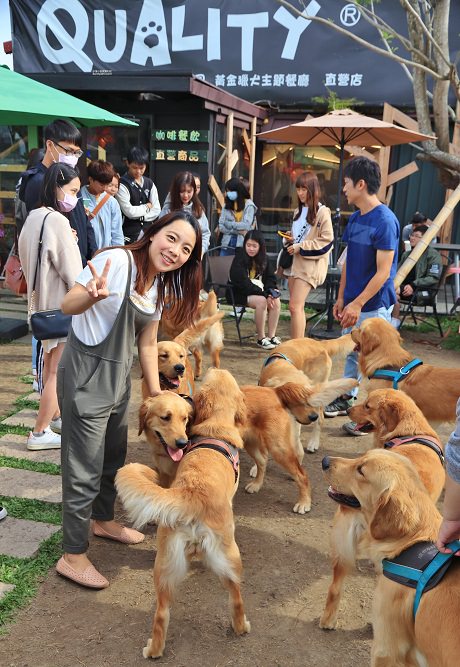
x=310 y=244
x=60 y=264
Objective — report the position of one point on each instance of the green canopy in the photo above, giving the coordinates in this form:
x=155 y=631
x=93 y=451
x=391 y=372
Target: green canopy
x=24 y=101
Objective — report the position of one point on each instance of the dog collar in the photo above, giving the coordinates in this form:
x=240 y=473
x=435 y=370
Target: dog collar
x=274 y=356
x=395 y=375
x=228 y=450
x=426 y=440
x=420 y=566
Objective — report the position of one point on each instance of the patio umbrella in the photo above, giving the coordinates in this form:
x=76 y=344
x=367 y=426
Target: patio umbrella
x=342 y=127
x=24 y=101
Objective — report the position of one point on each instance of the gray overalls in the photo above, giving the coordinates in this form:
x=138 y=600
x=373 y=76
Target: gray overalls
x=93 y=387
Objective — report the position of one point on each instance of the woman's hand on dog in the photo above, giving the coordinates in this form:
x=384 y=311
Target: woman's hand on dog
x=449 y=531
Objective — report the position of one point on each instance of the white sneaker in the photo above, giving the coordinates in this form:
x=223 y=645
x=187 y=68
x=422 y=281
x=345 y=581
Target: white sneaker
x=276 y=340
x=56 y=425
x=47 y=440
x=266 y=344
x=3 y=513
x=35 y=386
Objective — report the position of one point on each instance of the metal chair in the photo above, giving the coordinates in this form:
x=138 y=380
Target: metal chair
x=424 y=297
x=217 y=270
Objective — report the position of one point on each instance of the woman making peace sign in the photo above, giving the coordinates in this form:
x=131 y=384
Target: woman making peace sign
x=117 y=299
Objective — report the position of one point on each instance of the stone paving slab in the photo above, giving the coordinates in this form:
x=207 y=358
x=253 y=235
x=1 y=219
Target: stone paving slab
x=5 y=588
x=25 y=418
x=27 y=484
x=21 y=539
x=34 y=396
x=15 y=446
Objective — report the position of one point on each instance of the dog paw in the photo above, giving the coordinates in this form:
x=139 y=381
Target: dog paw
x=327 y=622
x=252 y=487
x=242 y=628
x=148 y=652
x=313 y=446
x=253 y=471
x=302 y=508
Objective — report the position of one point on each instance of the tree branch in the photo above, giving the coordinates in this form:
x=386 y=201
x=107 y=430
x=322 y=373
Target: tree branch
x=408 y=7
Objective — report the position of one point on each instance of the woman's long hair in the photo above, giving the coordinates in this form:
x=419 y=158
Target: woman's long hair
x=179 y=182
x=235 y=185
x=310 y=181
x=56 y=176
x=260 y=260
x=181 y=287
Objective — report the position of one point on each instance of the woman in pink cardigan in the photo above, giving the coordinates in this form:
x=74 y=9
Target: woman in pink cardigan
x=60 y=264
x=310 y=244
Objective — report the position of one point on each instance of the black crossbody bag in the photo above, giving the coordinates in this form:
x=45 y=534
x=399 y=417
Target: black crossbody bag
x=47 y=324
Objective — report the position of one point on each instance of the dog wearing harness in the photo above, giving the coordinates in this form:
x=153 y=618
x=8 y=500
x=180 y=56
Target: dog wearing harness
x=426 y=440
x=228 y=450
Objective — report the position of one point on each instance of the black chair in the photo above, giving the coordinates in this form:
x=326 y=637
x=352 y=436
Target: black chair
x=424 y=297
x=217 y=270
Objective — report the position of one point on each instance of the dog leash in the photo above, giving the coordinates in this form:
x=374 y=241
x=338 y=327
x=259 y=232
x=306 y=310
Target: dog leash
x=396 y=375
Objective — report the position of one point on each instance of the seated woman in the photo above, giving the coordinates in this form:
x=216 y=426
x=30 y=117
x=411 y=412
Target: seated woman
x=254 y=285
x=426 y=273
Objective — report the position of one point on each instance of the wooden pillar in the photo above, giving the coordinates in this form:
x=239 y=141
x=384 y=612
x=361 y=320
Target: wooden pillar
x=252 y=158
x=229 y=149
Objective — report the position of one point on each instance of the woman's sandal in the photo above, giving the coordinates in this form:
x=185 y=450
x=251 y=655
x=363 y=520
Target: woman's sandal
x=127 y=535
x=90 y=577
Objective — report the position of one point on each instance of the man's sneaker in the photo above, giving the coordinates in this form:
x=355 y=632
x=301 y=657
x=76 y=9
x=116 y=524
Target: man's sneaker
x=3 y=513
x=56 y=425
x=338 y=408
x=352 y=428
x=275 y=340
x=266 y=344
x=35 y=386
x=46 y=440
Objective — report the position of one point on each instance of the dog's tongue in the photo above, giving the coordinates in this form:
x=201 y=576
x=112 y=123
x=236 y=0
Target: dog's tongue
x=175 y=381
x=175 y=454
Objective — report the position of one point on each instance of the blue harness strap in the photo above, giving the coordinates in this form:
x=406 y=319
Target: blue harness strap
x=424 y=579
x=396 y=376
x=274 y=356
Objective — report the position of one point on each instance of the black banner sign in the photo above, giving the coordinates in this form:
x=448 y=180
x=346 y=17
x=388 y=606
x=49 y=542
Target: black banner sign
x=258 y=50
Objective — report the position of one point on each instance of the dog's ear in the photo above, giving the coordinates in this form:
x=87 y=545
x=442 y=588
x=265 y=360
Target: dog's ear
x=203 y=404
x=143 y=412
x=241 y=413
x=369 y=340
x=389 y=415
x=396 y=514
x=292 y=394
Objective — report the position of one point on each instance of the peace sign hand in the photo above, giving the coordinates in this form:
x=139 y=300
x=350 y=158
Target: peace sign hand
x=97 y=286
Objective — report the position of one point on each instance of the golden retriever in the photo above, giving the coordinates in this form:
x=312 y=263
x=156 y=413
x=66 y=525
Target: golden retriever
x=399 y=513
x=272 y=429
x=164 y=420
x=434 y=389
x=174 y=368
x=393 y=415
x=308 y=362
x=195 y=515
x=212 y=337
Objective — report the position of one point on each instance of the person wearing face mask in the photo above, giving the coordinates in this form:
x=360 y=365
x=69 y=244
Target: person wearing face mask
x=63 y=146
x=183 y=195
x=102 y=209
x=237 y=216
x=60 y=264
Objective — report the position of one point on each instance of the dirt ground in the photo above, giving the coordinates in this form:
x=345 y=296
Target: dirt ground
x=286 y=574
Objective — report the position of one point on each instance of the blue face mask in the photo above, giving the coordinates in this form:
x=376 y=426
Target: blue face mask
x=232 y=195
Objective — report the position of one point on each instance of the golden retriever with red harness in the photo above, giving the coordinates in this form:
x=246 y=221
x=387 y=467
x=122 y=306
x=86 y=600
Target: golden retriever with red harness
x=194 y=516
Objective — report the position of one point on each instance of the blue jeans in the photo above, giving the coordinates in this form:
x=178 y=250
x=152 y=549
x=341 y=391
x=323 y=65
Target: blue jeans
x=351 y=369
x=225 y=252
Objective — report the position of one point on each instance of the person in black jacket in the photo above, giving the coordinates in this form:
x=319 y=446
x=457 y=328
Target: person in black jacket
x=62 y=144
x=254 y=285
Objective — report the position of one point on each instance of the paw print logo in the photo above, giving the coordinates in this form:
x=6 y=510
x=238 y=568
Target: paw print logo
x=151 y=38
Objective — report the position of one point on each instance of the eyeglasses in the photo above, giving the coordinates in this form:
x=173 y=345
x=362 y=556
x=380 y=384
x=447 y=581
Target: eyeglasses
x=69 y=151
x=415 y=236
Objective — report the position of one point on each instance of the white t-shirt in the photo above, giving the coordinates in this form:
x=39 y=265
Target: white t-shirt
x=300 y=227
x=92 y=326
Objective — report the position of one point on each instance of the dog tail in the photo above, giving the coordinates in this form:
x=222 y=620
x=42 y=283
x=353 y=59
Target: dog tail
x=339 y=346
x=145 y=501
x=210 y=306
x=189 y=336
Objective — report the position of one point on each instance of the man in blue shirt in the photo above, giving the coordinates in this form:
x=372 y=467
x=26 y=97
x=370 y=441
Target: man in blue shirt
x=366 y=283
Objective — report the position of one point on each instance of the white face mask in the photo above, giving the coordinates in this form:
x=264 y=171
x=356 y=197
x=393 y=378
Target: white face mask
x=71 y=160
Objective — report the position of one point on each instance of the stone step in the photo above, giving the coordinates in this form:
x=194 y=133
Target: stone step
x=21 y=538
x=5 y=588
x=21 y=483
x=34 y=396
x=24 y=417
x=15 y=446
